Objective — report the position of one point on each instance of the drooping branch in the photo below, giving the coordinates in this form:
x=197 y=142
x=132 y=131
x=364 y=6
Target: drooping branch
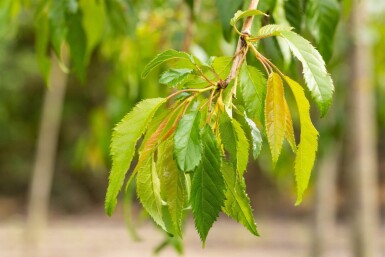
x=240 y=50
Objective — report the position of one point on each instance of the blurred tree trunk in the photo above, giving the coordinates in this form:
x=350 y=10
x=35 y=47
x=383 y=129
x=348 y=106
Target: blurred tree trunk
x=43 y=170
x=361 y=137
x=325 y=204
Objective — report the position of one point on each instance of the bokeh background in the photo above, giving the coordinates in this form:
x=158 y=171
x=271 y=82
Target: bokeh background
x=56 y=123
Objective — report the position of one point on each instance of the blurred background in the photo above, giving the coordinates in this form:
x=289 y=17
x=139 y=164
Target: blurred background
x=69 y=70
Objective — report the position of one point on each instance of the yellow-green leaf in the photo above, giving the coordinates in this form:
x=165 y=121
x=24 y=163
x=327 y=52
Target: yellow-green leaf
x=289 y=130
x=148 y=190
x=126 y=134
x=275 y=115
x=308 y=143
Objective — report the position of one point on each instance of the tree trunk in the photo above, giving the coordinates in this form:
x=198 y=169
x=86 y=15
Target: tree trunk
x=43 y=170
x=361 y=141
x=325 y=204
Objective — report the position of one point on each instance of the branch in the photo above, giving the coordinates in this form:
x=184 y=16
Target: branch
x=239 y=52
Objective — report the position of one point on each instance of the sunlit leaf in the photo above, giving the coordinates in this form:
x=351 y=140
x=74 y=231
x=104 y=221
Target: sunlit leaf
x=148 y=190
x=126 y=134
x=289 y=130
x=252 y=85
x=174 y=77
x=187 y=142
x=308 y=143
x=275 y=115
x=163 y=57
x=172 y=184
x=317 y=79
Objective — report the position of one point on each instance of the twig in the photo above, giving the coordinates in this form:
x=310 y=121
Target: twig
x=239 y=52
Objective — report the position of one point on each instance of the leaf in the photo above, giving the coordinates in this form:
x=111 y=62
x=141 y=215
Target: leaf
x=273 y=29
x=317 y=79
x=275 y=115
x=226 y=10
x=237 y=203
x=308 y=143
x=252 y=86
x=124 y=137
x=187 y=142
x=322 y=18
x=172 y=185
x=148 y=190
x=175 y=77
x=235 y=142
x=256 y=138
x=77 y=42
x=208 y=186
x=222 y=66
x=94 y=20
x=294 y=13
x=242 y=14
x=163 y=57
x=289 y=130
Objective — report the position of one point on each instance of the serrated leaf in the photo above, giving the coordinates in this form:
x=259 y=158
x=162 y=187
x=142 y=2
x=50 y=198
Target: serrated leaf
x=175 y=77
x=273 y=29
x=124 y=137
x=187 y=142
x=256 y=138
x=289 y=130
x=275 y=115
x=163 y=57
x=308 y=143
x=242 y=14
x=237 y=203
x=148 y=190
x=172 y=184
x=208 y=186
x=252 y=86
x=317 y=79
x=235 y=142
x=322 y=17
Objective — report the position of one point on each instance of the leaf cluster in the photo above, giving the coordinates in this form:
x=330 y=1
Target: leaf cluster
x=194 y=145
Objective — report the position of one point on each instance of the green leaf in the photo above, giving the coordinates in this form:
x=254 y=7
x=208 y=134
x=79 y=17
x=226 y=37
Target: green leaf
x=317 y=79
x=94 y=20
x=148 y=190
x=273 y=30
x=308 y=143
x=208 y=186
x=252 y=86
x=235 y=142
x=242 y=14
x=187 y=142
x=172 y=184
x=256 y=138
x=294 y=13
x=226 y=10
x=163 y=57
x=124 y=137
x=275 y=115
x=175 y=77
x=322 y=18
x=77 y=42
x=237 y=203
x=289 y=130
